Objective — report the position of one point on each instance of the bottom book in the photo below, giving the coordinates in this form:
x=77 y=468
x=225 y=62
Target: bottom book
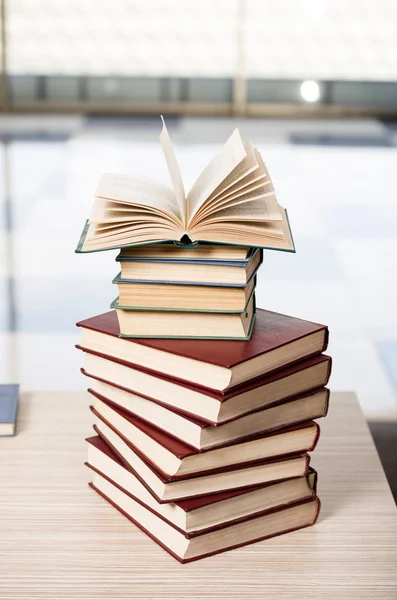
x=186 y=548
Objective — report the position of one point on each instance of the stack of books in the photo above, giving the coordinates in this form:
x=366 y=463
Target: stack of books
x=205 y=292
x=202 y=443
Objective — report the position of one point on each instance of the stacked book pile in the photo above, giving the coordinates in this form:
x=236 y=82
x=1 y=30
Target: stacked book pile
x=205 y=292
x=204 y=407
x=204 y=444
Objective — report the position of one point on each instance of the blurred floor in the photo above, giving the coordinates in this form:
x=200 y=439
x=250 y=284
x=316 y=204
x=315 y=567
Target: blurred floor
x=337 y=179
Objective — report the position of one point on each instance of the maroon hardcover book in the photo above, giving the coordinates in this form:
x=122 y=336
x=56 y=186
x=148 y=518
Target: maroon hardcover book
x=315 y=509
x=165 y=480
x=321 y=412
x=271 y=331
x=181 y=450
x=192 y=504
x=266 y=380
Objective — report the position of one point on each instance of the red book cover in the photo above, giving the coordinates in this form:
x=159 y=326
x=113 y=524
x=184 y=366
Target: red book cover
x=191 y=504
x=271 y=330
x=315 y=500
x=182 y=450
x=221 y=396
x=166 y=479
x=202 y=425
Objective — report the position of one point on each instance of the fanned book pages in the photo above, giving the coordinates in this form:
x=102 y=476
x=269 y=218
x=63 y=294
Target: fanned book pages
x=232 y=202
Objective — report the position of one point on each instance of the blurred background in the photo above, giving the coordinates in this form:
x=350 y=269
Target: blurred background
x=313 y=83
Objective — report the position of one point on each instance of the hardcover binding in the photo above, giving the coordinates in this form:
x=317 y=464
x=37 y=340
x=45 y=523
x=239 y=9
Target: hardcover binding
x=183 y=561
x=221 y=397
x=185 y=450
x=244 y=438
x=234 y=521
x=190 y=261
x=272 y=330
x=165 y=480
x=115 y=304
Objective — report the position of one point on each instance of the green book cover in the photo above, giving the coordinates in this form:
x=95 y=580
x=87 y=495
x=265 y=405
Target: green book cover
x=115 y=304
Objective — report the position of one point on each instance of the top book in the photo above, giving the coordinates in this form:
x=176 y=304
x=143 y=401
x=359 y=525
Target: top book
x=232 y=202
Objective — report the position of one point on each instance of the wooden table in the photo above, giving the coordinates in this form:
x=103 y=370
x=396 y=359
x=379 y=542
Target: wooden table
x=58 y=539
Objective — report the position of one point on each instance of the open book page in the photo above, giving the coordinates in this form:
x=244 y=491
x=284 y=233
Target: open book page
x=174 y=171
x=251 y=191
x=216 y=171
x=248 y=165
x=252 y=210
x=112 y=211
x=141 y=192
x=276 y=234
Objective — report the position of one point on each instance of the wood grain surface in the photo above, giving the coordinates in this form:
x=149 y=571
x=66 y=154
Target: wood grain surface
x=60 y=540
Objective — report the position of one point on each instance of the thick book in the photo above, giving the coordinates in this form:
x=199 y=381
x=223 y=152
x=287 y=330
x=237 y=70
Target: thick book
x=232 y=202
x=210 y=406
x=277 y=341
x=198 y=325
x=176 y=459
x=199 y=272
x=186 y=548
x=203 y=251
x=177 y=296
x=171 y=489
x=198 y=515
x=9 y=395
x=200 y=435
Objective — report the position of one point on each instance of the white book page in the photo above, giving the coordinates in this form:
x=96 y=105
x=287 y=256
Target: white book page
x=174 y=171
x=141 y=192
x=229 y=157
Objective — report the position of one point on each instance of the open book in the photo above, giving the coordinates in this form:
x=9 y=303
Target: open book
x=232 y=202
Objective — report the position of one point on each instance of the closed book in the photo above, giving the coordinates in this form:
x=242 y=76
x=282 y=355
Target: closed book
x=197 y=515
x=187 y=548
x=177 y=296
x=277 y=341
x=176 y=459
x=200 y=435
x=202 y=251
x=188 y=271
x=170 y=489
x=9 y=394
x=212 y=407
x=208 y=325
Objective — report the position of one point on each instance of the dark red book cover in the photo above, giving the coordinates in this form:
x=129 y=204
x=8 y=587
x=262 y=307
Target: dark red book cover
x=166 y=479
x=226 y=548
x=192 y=504
x=219 y=395
x=202 y=425
x=181 y=449
x=271 y=330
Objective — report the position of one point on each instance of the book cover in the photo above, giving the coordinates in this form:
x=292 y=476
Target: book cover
x=305 y=522
x=303 y=459
x=193 y=504
x=9 y=396
x=120 y=280
x=220 y=395
x=190 y=261
x=271 y=330
x=115 y=304
x=181 y=450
